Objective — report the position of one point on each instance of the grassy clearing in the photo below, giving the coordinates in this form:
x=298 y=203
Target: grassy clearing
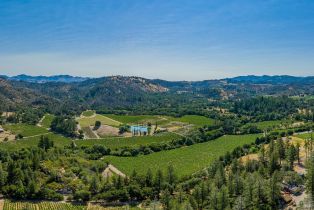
x=46 y=123
x=193 y=119
x=129 y=119
x=137 y=141
x=25 y=130
x=90 y=121
x=10 y=205
x=88 y=113
x=185 y=160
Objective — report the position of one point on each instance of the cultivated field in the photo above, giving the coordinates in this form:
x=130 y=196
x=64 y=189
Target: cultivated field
x=89 y=133
x=190 y=119
x=136 y=141
x=186 y=160
x=133 y=119
x=95 y=207
x=90 y=121
x=267 y=124
x=110 y=142
x=8 y=205
x=25 y=130
x=46 y=205
x=58 y=140
x=193 y=119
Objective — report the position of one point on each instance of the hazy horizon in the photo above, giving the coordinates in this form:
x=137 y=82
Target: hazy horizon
x=12 y=75
x=170 y=40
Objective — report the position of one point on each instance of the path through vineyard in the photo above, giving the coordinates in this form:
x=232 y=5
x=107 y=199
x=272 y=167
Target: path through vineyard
x=1 y=204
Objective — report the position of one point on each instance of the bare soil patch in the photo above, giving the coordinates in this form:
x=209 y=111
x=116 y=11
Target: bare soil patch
x=6 y=134
x=110 y=131
x=248 y=157
x=1 y=204
x=107 y=130
x=111 y=170
x=7 y=114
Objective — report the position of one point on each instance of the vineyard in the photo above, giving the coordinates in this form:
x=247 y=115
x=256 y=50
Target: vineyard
x=10 y=205
x=136 y=141
x=185 y=160
x=25 y=130
x=90 y=121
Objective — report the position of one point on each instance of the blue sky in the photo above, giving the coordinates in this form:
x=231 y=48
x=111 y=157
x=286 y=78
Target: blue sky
x=168 y=39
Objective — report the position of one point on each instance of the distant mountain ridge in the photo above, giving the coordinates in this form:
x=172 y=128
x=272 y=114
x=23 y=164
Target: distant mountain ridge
x=276 y=79
x=264 y=79
x=45 y=79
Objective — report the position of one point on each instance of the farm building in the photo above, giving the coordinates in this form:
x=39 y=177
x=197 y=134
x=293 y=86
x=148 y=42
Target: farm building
x=139 y=130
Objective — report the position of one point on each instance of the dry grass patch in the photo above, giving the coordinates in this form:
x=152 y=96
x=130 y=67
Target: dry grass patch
x=106 y=130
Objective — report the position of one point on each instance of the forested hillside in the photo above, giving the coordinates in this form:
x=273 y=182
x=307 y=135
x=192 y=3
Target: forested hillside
x=139 y=95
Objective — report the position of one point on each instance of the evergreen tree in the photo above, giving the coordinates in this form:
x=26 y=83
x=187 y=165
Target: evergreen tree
x=291 y=155
x=281 y=149
x=166 y=200
x=159 y=181
x=171 y=176
x=149 y=178
x=298 y=152
x=273 y=193
x=310 y=178
x=94 y=185
x=248 y=192
x=3 y=177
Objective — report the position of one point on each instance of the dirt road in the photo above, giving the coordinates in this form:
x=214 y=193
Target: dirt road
x=112 y=170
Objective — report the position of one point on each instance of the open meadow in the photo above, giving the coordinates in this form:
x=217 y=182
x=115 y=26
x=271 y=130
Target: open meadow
x=185 y=160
